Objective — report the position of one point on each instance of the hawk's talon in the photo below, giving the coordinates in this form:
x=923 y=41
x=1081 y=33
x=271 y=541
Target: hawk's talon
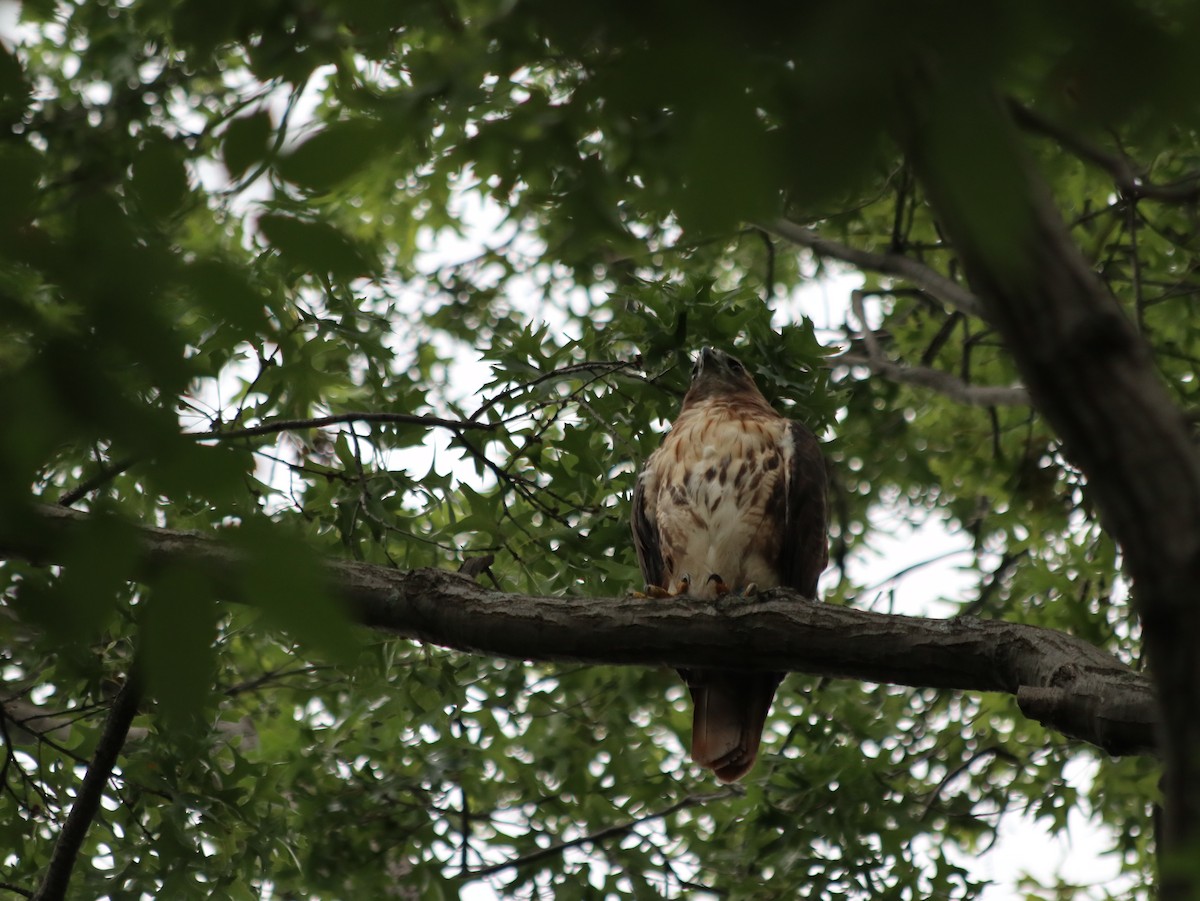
x=654 y=591
x=722 y=588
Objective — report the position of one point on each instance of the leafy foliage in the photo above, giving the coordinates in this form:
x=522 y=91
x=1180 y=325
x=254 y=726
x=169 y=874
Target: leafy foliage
x=220 y=216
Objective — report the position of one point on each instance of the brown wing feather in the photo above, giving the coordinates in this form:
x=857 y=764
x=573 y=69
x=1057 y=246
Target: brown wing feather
x=646 y=540
x=804 y=550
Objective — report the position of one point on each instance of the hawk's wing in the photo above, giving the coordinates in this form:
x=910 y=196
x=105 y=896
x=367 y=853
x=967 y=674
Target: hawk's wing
x=804 y=548
x=646 y=541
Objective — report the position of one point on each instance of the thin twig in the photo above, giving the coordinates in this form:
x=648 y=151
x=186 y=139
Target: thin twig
x=290 y=425
x=271 y=676
x=272 y=427
x=924 y=376
x=995 y=752
x=1135 y=264
x=605 y=367
x=103 y=477
x=617 y=829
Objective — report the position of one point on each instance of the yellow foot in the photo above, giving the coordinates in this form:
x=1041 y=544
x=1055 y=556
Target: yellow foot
x=652 y=591
x=658 y=592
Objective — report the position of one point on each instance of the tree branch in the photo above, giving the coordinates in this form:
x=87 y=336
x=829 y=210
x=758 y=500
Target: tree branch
x=87 y=801
x=1130 y=181
x=929 y=280
x=924 y=376
x=1100 y=700
x=290 y=425
x=271 y=427
x=613 y=831
x=940 y=382
x=105 y=475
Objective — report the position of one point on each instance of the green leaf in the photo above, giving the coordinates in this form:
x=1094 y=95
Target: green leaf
x=178 y=627
x=159 y=179
x=225 y=290
x=284 y=580
x=246 y=142
x=332 y=155
x=98 y=561
x=316 y=247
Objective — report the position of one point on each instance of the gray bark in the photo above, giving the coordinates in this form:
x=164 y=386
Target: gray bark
x=1068 y=684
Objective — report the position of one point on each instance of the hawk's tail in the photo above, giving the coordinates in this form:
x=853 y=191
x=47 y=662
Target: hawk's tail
x=727 y=722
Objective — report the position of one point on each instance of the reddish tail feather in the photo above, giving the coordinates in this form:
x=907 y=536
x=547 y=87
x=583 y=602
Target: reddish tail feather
x=730 y=710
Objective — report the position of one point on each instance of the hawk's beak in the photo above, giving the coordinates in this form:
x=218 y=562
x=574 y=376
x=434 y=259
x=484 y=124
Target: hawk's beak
x=707 y=355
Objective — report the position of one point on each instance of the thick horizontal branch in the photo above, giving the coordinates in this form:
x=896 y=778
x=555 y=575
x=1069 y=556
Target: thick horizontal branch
x=1066 y=683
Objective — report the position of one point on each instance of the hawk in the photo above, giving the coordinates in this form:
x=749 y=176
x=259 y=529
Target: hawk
x=733 y=501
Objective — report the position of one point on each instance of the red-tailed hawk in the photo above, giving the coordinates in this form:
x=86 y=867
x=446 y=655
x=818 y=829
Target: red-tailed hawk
x=734 y=499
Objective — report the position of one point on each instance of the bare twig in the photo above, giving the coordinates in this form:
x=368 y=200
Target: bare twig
x=1135 y=264
x=272 y=427
x=103 y=477
x=992 y=584
x=270 y=676
x=929 y=280
x=941 y=382
x=924 y=376
x=603 y=367
x=613 y=831
x=87 y=801
x=995 y=752
x=292 y=425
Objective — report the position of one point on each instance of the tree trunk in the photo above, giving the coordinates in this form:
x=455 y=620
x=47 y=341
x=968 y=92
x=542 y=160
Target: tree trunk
x=1092 y=376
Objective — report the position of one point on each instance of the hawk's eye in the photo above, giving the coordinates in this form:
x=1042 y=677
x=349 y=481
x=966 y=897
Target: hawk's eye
x=736 y=368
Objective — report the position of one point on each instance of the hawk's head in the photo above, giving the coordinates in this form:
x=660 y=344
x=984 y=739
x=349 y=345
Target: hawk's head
x=716 y=373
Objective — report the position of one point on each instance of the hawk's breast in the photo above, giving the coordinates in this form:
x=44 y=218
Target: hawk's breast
x=716 y=492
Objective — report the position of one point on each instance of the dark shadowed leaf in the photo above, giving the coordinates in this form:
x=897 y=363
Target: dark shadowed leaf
x=21 y=165
x=178 y=627
x=332 y=155
x=246 y=142
x=290 y=586
x=315 y=246
x=159 y=178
